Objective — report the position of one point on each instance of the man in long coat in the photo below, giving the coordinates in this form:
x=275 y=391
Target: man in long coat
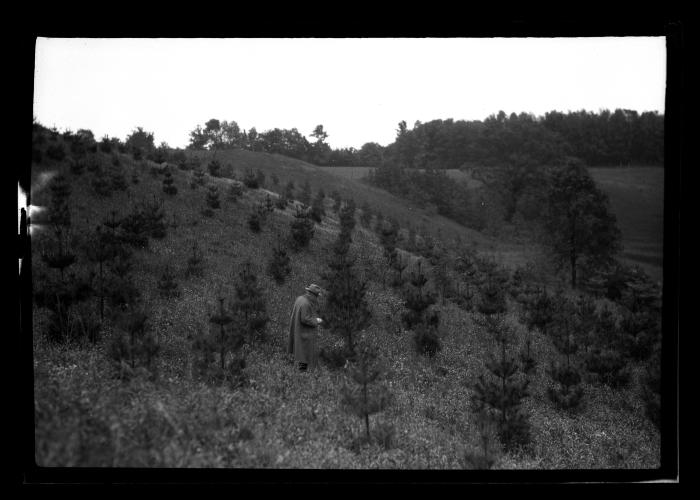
x=303 y=323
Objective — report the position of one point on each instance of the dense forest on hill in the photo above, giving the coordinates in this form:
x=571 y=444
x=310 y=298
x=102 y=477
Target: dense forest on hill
x=621 y=137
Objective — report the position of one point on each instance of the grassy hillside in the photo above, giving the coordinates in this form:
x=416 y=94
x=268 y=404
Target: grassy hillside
x=280 y=418
x=636 y=198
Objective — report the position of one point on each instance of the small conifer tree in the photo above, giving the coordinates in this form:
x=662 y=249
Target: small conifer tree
x=275 y=180
x=117 y=179
x=651 y=386
x=388 y=238
x=101 y=184
x=345 y=310
x=248 y=306
x=501 y=394
x=195 y=263
x=134 y=344
x=279 y=265
x=317 y=210
x=250 y=179
x=212 y=201
x=539 y=312
x=167 y=286
x=567 y=394
x=235 y=191
x=604 y=361
x=281 y=202
x=260 y=178
x=254 y=221
x=417 y=298
x=289 y=190
x=214 y=168
x=368 y=397
x=269 y=205
x=101 y=247
x=169 y=187
x=197 y=178
x=224 y=341
x=485 y=457
x=440 y=262
x=302 y=230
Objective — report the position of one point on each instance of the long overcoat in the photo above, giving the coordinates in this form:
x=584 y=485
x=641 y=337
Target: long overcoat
x=302 y=330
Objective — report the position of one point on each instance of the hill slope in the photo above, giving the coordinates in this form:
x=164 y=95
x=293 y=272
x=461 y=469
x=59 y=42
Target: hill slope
x=86 y=417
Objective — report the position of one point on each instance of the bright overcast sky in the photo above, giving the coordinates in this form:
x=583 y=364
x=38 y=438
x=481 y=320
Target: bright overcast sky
x=359 y=89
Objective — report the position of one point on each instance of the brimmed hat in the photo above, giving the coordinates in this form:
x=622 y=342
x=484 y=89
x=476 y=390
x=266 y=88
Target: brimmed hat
x=313 y=288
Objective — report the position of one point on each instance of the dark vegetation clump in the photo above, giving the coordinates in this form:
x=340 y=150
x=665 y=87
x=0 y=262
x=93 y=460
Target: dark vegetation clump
x=305 y=195
x=279 y=265
x=567 y=392
x=169 y=187
x=212 y=201
x=499 y=394
x=250 y=180
x=101 y=184
x=133 y=347
x=167 y=286
x=367 y=397
x=302 y=230
x=214 y=168
x=195 y=263
x=345 y=311
x=248 y=306
x=56 y=152
x=146 y=220
x=197 y=178
x=218 y=356
x=235 y=191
